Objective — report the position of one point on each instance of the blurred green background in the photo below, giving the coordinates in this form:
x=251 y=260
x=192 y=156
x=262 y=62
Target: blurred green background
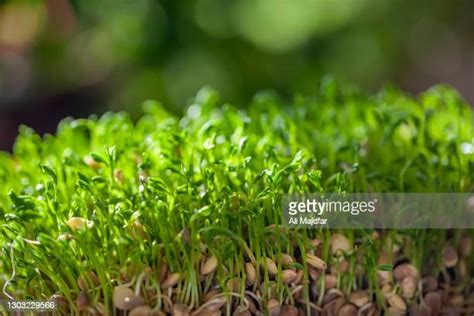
x=60 y=57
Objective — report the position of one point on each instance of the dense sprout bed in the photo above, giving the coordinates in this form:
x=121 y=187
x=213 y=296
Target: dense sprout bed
x=182 y=215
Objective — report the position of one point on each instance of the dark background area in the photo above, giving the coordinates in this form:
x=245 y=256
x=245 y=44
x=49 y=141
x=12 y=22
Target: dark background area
x=61 y=58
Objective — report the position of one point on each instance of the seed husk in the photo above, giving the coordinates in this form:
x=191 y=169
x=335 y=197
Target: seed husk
x=241 y=311
x=125 y=299
x=299 y=277
x=170 y=281
x=384 y=277
x=76 y=223
x=233 y=285
x=404 y=270
x=210 y=294
x=347 y=310
x=288 y=276
x=408 y=286
x=163 y=272
x=270 y=266
x=180 y=310
x=141 y=311
x=397 y=302
x=341 y=267
x=313 y=273
x=450 y=257
x=273 y=307
x=332 y=294
x=386 y=290
x=289 y=310
x=209 y=266
x=59 y=299
x=82 y=301
x=465 y=246
x=286 y=259
x=433 y=302
x=118 y=175
x=84 y=284
x=213 y=305
x=251 y=274
x=88 y=160
x=315 y=261
x=333 y=306
x=330 y=281
x=339 y=243
x=429 y=284
x=392 y=311
x=359 y=298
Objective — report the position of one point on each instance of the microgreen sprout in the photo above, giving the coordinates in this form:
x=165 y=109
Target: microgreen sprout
x=183 y=215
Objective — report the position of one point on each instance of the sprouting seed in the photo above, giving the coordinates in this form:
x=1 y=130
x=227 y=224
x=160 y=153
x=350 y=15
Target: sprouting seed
x=100 y=307
x=404 y=270
x=233 y=285
x=59 y=299
x=143 y=311
x=82 y=301
x=118 y=175
x=209 y=266
x=270 y=266
x=180 y=310
x=83 y=283
x=286 y=259
x=333 y=306
x=210 y=294
x=250 y=273
x=171 y=280
x=242 y=311
x=299 y=277
x=273 y=307
x=397 y=302
x=449 y=257
x=429 y=284
x=64 y=237
x=359 y=298
x=408 y=286
x=347 y=310
x=330 y=281
x=433 y=301
x=313 y=273
x=340 y=243
x=123 y=297
x=315 y=261
x=289 y=310
x=288 y=276
x=88 y=160
x=76 y=223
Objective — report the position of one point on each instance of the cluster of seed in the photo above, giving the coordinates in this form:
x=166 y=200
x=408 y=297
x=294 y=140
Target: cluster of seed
x=404 y=289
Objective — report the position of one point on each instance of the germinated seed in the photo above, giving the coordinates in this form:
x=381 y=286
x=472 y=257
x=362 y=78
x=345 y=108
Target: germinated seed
x=359 y=298
x=76 y=223
x=250 y=273
x=209 y=266
x=347 y=310
x=315 y=262
x=171 y=280
x=397 y=302
x=450 y=257
x=270 y=266
x=288 y=276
